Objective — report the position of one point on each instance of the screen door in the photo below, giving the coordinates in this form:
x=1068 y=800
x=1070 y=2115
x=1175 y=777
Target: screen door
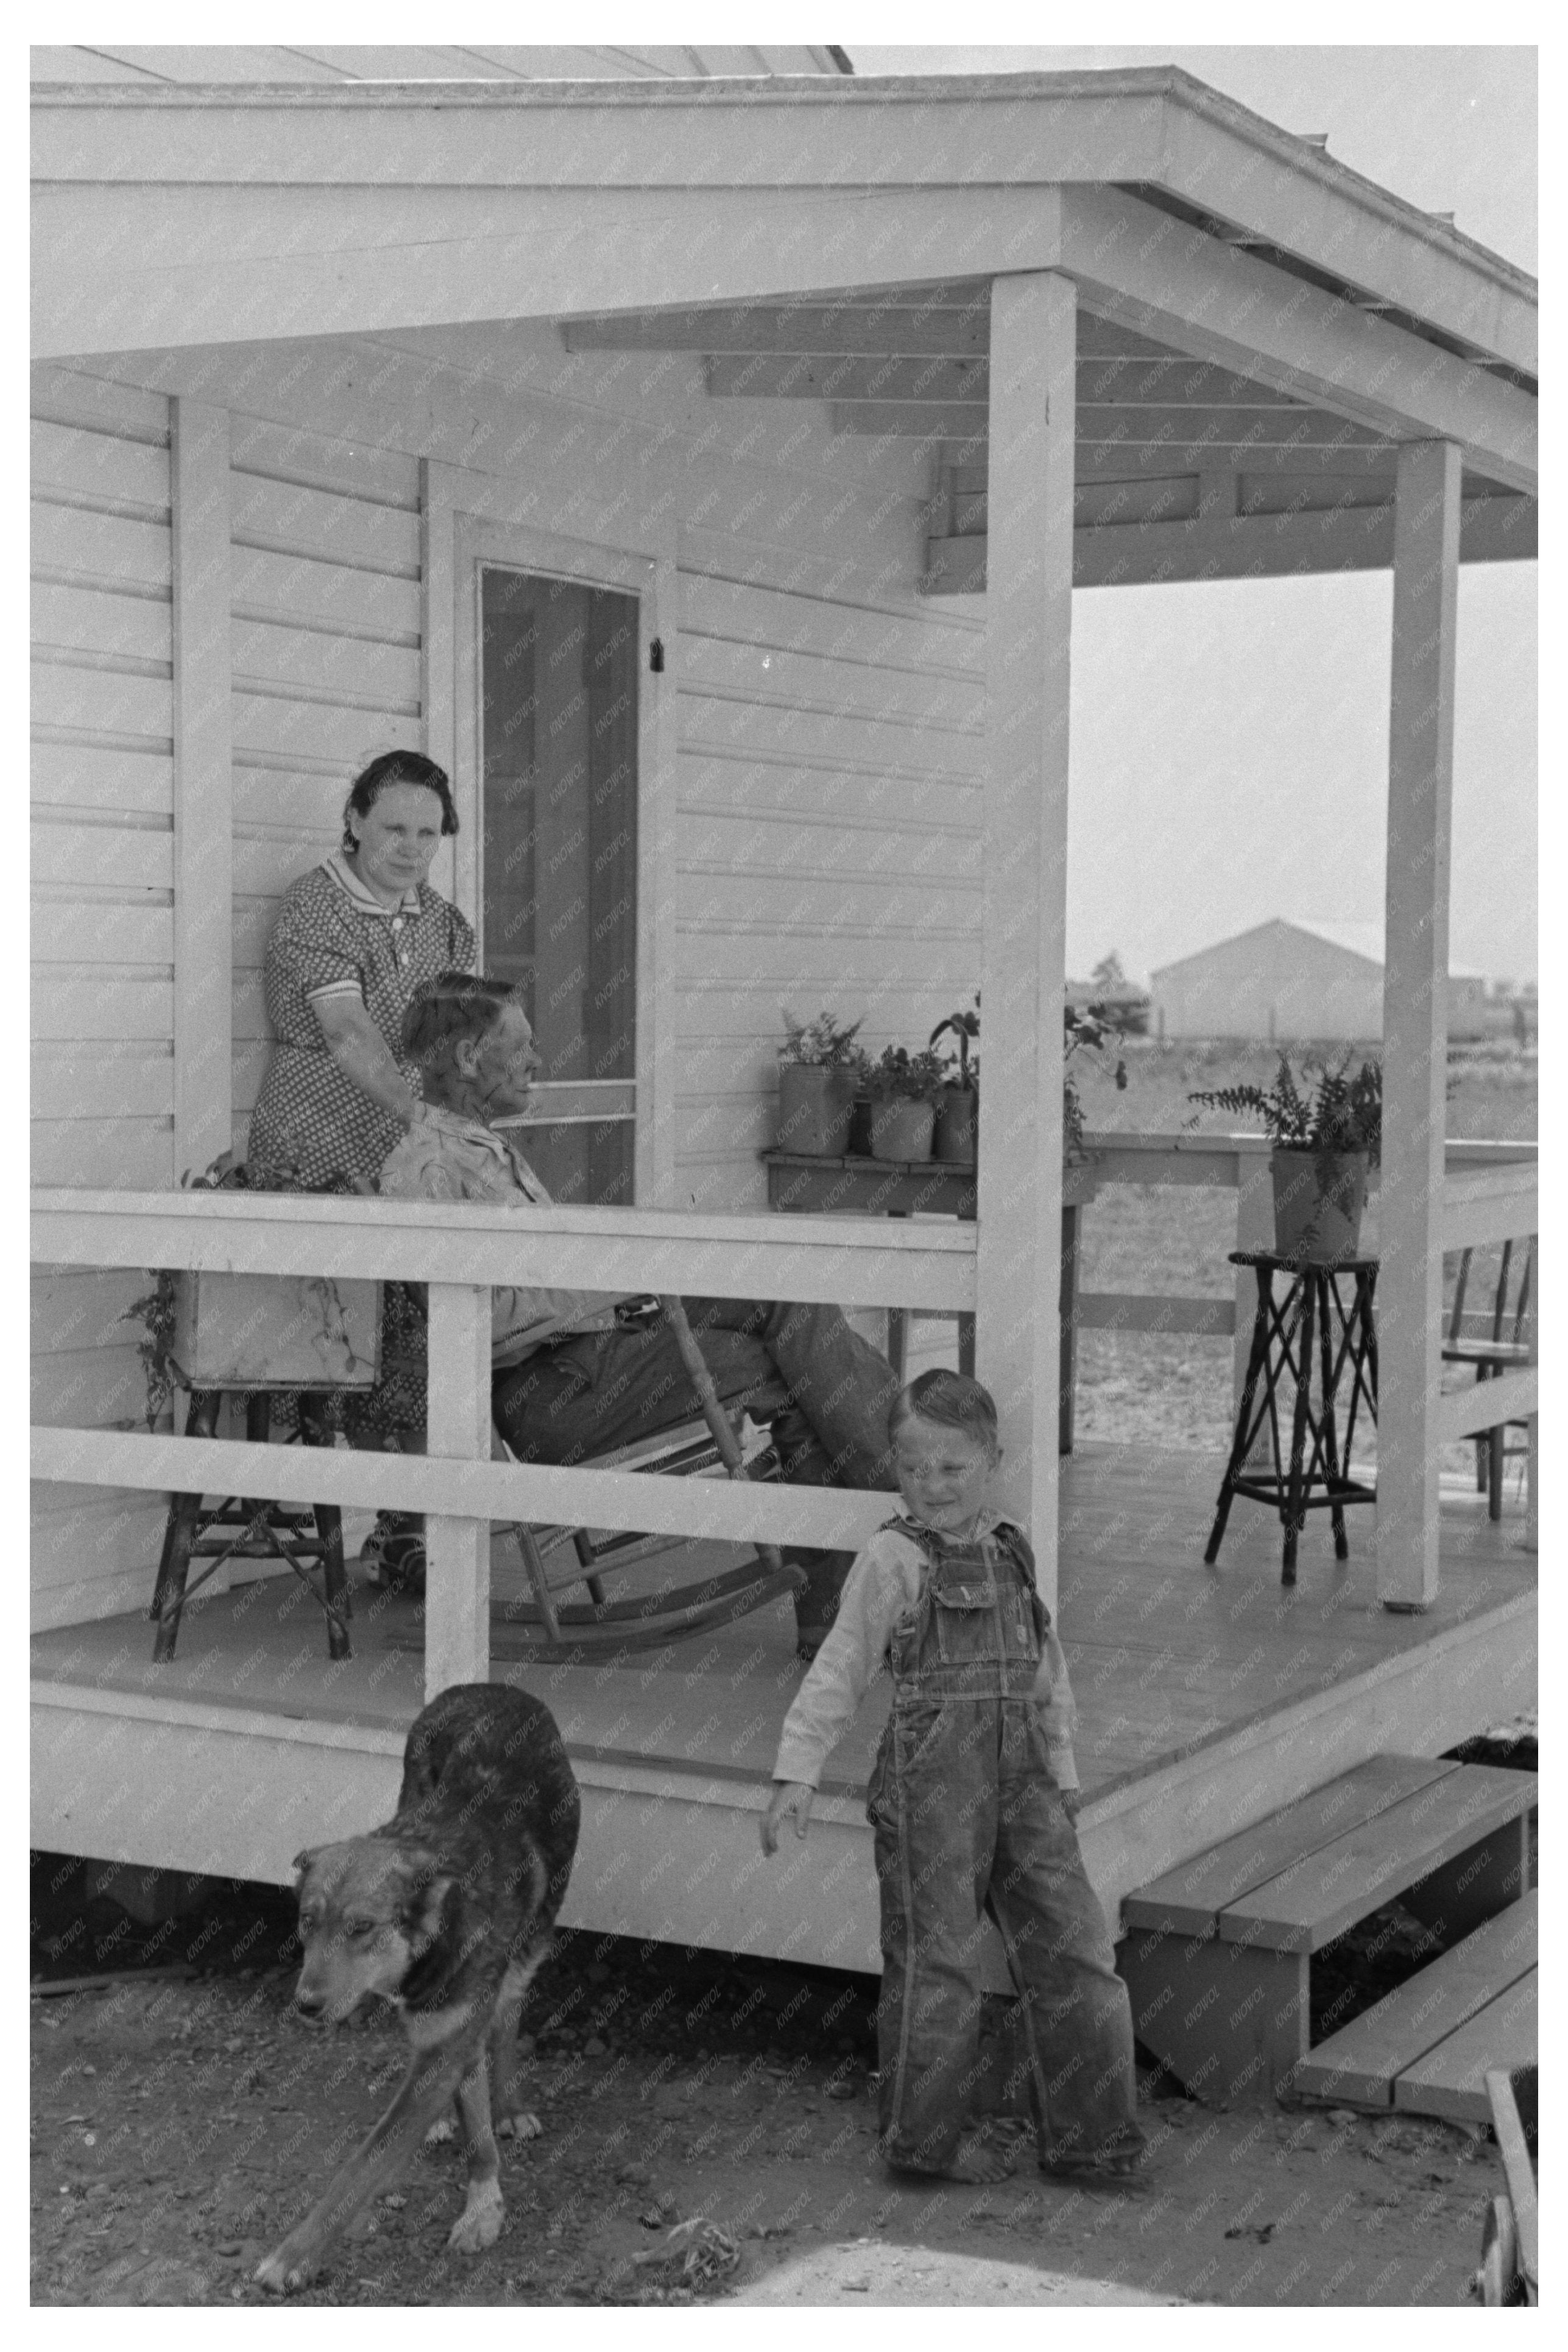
x=558 y=716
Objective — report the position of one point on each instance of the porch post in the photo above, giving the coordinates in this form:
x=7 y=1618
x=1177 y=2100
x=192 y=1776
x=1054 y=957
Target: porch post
x=457 y=1550
x=204 y=786
x=1415 y=1019
x=1033 y=335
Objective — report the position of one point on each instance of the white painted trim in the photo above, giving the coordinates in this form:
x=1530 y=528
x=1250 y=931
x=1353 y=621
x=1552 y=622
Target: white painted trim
x=204 y=846
x=1034 y=322
x=456 y=869
x=463 y=1488
x=844 y=1261
x=1416 y=1021
x=1490 y=1205
x=1487 y=1405
x=458 y=1549
x=475 y=518
x=1317 y=538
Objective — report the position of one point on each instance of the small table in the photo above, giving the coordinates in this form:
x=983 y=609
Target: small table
x=1282 y=1338
x=854 y=1185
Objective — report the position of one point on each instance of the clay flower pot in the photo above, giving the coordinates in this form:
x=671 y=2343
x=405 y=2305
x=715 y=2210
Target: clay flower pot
x=1318 y=1221
x=901 y=1129
x=958 y=1125
x=816 y=1100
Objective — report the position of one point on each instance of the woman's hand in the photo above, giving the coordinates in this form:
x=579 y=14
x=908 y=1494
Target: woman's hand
x=359 y=1051
x=791 y=1798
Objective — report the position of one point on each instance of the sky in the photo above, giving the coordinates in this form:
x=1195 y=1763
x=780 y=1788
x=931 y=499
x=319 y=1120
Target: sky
x=1229 y=741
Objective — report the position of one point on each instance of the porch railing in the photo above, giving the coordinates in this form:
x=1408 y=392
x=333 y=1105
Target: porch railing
x=460 y=1251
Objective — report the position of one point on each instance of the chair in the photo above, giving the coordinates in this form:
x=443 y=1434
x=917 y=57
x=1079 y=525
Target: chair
x=713 y=1446
x=244 y=1527
x=1493 y=1354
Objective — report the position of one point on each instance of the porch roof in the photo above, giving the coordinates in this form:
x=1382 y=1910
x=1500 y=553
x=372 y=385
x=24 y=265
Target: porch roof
x=1262 y=327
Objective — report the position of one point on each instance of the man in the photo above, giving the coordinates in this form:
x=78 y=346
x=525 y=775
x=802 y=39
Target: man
x=575 y=1373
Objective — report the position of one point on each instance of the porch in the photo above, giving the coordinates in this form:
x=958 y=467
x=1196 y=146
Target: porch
x=1206 y=1698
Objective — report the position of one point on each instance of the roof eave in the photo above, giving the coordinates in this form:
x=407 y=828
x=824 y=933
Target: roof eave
x=1203 y=149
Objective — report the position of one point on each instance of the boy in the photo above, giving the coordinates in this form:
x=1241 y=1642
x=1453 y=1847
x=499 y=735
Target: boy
x=971 y=1799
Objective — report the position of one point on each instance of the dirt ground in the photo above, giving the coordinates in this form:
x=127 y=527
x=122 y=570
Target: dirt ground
x=182 y=2121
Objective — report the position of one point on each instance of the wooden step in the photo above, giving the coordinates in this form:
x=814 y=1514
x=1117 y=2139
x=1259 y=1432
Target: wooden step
x=1219 y=1950
x=1359 y=2066
x=1188 y=1900
x=1400 y=1851
x=1451 y=2080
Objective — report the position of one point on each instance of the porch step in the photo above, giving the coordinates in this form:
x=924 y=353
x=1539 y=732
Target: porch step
x=1219 y=1950
x=1425 y=2048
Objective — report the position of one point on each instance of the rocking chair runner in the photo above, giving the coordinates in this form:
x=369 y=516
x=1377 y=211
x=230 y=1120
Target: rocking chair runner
x=545 y=1628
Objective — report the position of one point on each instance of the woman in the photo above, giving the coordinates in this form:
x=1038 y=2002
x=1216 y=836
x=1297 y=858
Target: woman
x=356 y=937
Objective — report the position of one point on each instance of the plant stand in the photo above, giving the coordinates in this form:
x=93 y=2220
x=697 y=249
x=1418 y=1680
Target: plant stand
x=1282 y=1342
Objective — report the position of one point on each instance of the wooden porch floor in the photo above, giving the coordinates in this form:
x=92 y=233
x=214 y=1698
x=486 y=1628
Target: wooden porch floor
x=1167 y=1657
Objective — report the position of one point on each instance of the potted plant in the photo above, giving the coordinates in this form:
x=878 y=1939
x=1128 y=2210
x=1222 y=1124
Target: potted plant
x=1325 y=1141
x=958 y=1113
x=820 y=1070
x=905 y=1090
x=1084 y=1031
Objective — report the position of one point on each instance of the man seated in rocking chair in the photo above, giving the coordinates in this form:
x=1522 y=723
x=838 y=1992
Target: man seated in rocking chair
x=576 y=1373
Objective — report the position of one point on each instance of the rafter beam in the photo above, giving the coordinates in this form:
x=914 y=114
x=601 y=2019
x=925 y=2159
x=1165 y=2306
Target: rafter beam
x=1244 y=547
x=1174 y=381
x=1162 y=278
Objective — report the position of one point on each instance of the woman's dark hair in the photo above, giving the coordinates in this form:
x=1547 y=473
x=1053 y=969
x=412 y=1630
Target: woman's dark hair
x=953 y=1400
x=459 y=1005
x=398 y=768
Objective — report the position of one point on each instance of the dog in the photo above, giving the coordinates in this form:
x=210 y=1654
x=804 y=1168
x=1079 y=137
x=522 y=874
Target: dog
x=445 y=1911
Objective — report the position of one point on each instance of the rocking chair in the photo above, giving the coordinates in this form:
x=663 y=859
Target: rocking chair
x=557 y=1558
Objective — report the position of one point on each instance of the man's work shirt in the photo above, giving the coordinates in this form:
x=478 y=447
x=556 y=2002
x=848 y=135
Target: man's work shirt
x=444 y=1158
x=883 y=1586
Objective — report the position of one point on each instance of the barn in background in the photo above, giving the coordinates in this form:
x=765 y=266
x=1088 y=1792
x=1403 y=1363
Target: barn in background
x=1288 y=981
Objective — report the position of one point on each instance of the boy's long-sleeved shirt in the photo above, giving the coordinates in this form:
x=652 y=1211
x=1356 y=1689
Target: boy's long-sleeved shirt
x=882 y=1585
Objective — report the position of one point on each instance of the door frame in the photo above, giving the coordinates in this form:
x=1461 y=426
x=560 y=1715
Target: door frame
x=470 y=520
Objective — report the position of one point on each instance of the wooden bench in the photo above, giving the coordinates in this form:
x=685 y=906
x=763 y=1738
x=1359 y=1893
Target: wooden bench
x=1217 y=1952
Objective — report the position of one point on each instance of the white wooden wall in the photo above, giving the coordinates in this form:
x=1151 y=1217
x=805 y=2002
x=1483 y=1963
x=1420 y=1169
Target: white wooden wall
x=102 y=931
x=821 y=841
x=325 y=588
x=828 y=834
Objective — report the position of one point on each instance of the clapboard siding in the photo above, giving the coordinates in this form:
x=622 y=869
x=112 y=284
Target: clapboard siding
x=103 y=928
x=326 y=652
x=826 y=838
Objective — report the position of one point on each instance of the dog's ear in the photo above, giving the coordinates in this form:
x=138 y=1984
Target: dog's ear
x=302 y=1861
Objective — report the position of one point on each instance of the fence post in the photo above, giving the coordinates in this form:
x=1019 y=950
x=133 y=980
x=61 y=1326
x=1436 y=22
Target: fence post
x=458 y=1578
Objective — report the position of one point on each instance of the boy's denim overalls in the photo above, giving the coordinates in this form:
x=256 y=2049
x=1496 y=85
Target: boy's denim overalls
x=967 y=1818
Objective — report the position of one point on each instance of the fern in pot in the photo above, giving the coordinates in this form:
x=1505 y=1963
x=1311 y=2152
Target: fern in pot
x=905 y=1090
x=1326 y=1140
x=820 y=1072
